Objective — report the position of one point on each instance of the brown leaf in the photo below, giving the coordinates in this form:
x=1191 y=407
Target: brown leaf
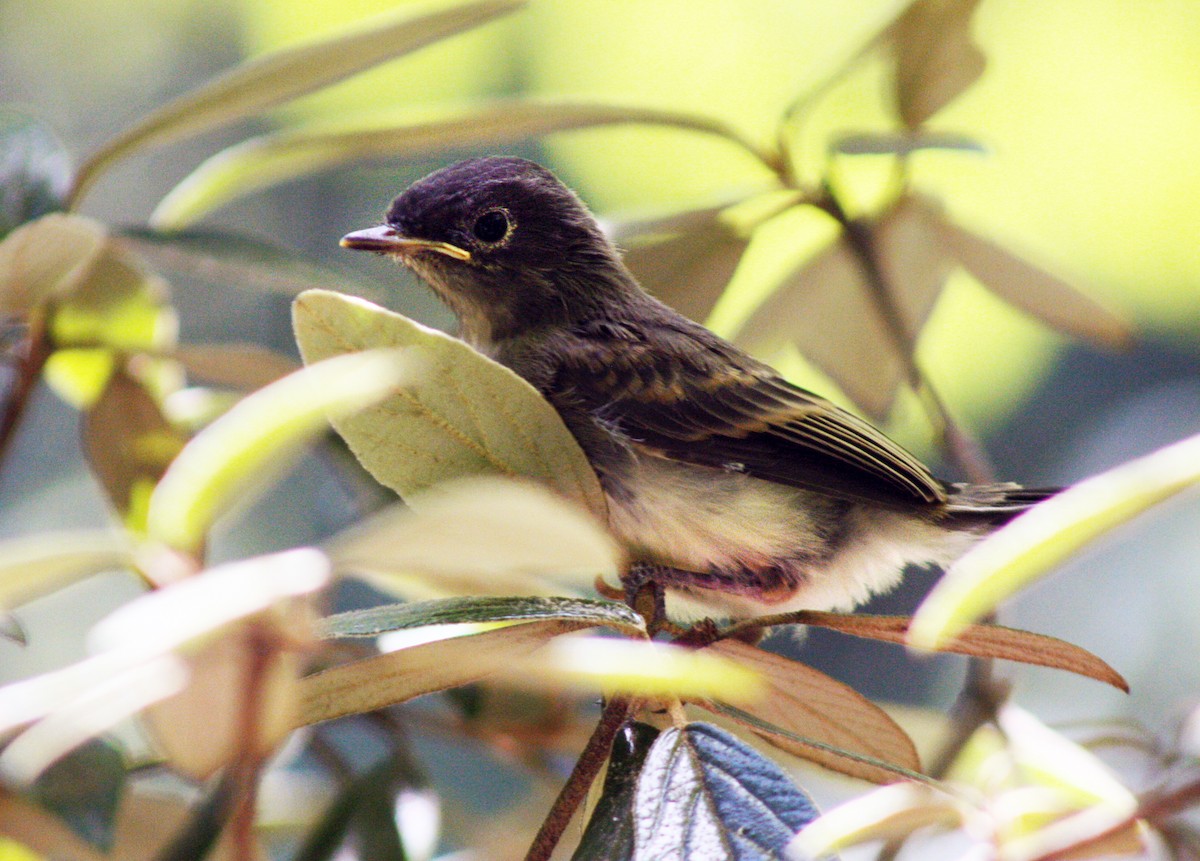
x=46 y=259
x=811 y=704
x=980 y=641
x=935 y=57
x=828 y=310
x=394 y=677
x=1053 y=301
x=236 y=366
x=129 y=444
x=689 y=271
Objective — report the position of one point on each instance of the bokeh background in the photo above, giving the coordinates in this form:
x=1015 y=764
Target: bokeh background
x=1089 y=111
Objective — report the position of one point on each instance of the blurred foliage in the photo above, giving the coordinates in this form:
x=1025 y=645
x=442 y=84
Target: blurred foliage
x=843 y=185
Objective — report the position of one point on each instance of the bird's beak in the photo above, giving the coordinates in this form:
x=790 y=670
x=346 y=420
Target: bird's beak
x=386 y=240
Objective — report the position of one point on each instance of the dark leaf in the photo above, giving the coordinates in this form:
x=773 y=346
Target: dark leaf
x=84 y=790
x=609 y=832
x=904 y=143
x=35 y=170
x=935 y=57
x=233 y=259
x=705 y=794
x=450 y=611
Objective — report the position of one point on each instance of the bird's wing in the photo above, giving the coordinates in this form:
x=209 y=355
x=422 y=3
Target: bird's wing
x=679 y=390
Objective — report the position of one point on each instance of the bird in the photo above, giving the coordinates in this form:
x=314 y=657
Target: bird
x=736 y=491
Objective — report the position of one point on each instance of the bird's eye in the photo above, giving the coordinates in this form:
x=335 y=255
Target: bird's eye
x=492 y=226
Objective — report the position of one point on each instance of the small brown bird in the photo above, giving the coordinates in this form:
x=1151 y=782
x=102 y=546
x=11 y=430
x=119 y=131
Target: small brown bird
x=726 y=482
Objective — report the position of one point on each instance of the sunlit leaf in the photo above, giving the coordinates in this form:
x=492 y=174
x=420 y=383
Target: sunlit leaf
x=1033 y=290
x=276 y=78
x=689 y=271
x=936 y=58
x=235 y=260
x=859 y=352
x=46 y=259
x=464 y=654
x=462 y=415
x=888 y=812
x=480 y=536
x=35 y=170
x=129 y=444
x=904 y=144
x=237 y=366
x=609 y=832
x=263 y=430
x=36 y=564
x=1041 y=538
x=84 y=791
x=456 y=611
x=811 y=705
x=981 y=641
x=639 y=667
x=271 y=159
x=705 y=794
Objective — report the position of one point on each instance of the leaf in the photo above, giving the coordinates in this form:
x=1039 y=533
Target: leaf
x=904 y=144
x=463 y=415
x=84 y=791
x=271 y=80
x=885 y=813
x=1041 y=538
x=833 y=716
x=235 y=260
x=480 y=536
x=129 y=445
x=689 y=271
x=35 y=170
x=936 y=58
x=36 y=564
x=981 y=641
x=705 y=794
x=609 y=832
x=265 y=429
x=1054 y=302
x=457 y=611
x=274 y=158
x=464 y=654
x=236 y=366
x=44 y=260
x=858 y=352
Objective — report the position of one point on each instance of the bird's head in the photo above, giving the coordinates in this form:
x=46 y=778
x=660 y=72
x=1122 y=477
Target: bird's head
x=505 y=244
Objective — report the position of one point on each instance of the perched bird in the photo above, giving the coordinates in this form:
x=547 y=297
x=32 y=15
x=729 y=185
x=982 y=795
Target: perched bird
x=724 y=481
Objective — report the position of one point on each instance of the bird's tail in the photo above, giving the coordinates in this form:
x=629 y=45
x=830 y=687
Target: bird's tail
x=992 y=505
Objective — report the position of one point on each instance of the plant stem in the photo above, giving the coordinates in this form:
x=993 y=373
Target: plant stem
x=590 y=761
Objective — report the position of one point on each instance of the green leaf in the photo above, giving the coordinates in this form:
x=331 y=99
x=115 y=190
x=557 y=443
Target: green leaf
x=482 y=536
x=455 y=611
x=84 y=791
x=235 y=260
x=270 y=159
x=705 y=790
x=37 y=564
x=1043 y=537
x=463 y=415
x=35 y=170
x=609 y=832
x=265 y=429
x=276 y=78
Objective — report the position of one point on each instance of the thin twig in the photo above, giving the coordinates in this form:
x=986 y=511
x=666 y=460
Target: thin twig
x=590 y=761
x=263 y=646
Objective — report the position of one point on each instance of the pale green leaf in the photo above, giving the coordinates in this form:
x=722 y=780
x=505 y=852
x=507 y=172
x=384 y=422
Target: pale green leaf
x=462 y=415
x=274 y=158
x=264 y=429
x=276 y=78
x=455 y=611
x=36 y=564
x=482 y=536
x=1041 y=538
